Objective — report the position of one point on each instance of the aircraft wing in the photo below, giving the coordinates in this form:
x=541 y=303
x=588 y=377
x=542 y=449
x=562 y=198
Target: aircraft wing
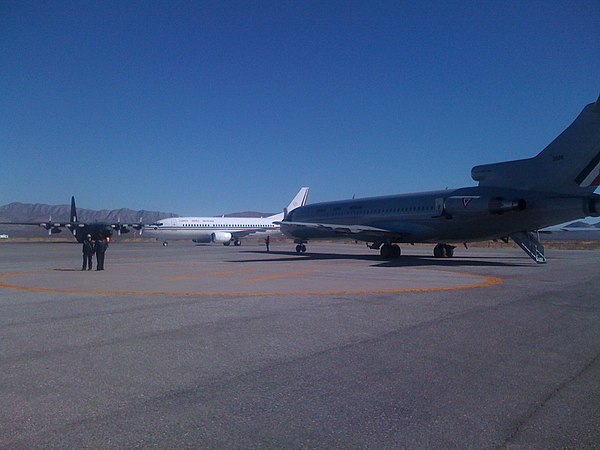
x=54 y=227
x=338 y=228
x=47 y=225
x=244 y=233
x=393 y=231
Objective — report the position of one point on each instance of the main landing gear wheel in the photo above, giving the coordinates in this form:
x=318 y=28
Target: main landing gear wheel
x=390 y=251
x=443 y=251
x=237 y=242
x=300 y=248
x=165 y=244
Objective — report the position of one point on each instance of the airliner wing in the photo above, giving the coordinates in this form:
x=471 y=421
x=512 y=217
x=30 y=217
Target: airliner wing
x=244 y=233
x=338 y=228
x=392 y=231
x=362 y=232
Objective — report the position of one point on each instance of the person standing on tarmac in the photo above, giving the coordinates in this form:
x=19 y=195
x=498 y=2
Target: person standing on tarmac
x=88 y=251
x=101 y=247
x=267 y=242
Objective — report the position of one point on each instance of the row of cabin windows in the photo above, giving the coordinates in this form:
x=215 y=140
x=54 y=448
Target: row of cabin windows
x=409 y=209
x=199 y=225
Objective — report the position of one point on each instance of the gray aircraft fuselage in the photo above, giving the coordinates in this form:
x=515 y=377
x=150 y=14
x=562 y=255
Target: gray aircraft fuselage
x=513 y=200
x=429 y=217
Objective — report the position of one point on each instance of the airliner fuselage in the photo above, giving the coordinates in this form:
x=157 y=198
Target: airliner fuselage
x=209 y=229
x=513 y=200
x=455 y=215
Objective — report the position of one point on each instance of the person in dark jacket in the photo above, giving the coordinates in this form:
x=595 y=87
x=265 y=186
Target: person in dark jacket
x=88 y=251
x=101 y=247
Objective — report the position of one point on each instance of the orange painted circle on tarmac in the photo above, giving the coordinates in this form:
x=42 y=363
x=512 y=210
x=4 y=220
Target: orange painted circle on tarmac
x=479 y=282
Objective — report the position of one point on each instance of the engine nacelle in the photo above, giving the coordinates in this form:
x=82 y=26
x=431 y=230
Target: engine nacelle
x=500 y=205
x=220 y=237
x=477 y=205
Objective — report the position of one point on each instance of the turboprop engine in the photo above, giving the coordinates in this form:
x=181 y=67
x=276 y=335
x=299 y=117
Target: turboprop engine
x=220 y=237
x=477 y=205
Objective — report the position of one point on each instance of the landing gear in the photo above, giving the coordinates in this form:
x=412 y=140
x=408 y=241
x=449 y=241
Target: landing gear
x=390 y=251
x=165 y=244
x=443 y=251
x=237 y=242
x=300 y=248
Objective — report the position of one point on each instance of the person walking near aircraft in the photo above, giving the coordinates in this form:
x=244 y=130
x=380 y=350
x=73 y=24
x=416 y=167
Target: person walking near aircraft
x=101 y=247
x=267 y=242
x=88 y=251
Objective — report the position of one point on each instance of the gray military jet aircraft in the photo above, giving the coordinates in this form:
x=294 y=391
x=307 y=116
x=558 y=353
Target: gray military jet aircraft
x=514 y=199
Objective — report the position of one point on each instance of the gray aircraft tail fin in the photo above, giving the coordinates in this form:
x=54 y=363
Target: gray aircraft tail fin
x=569 y=164
x=73 y=217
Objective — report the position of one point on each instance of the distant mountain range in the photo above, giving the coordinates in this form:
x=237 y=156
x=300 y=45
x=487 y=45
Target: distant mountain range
x=27 y=212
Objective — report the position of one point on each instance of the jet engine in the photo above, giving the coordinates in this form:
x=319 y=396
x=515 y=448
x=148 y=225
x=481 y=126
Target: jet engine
x=476 y=205
x=220 y=237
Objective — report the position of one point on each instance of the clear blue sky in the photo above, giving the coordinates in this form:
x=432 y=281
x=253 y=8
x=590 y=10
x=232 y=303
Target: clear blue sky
x=209 y=107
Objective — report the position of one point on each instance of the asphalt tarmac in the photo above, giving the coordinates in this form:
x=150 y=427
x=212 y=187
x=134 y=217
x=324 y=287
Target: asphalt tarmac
x=206 y=346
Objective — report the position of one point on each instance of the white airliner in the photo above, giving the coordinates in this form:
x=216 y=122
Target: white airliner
x=224 y=230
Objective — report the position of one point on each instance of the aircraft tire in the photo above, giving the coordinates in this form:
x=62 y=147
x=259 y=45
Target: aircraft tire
x=386 y=251
x=298 y=248
x=438 y=251
x=165 y=244
x=390 y=251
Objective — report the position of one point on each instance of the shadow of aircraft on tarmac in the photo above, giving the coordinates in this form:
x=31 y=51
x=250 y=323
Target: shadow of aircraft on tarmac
x=402 y=261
